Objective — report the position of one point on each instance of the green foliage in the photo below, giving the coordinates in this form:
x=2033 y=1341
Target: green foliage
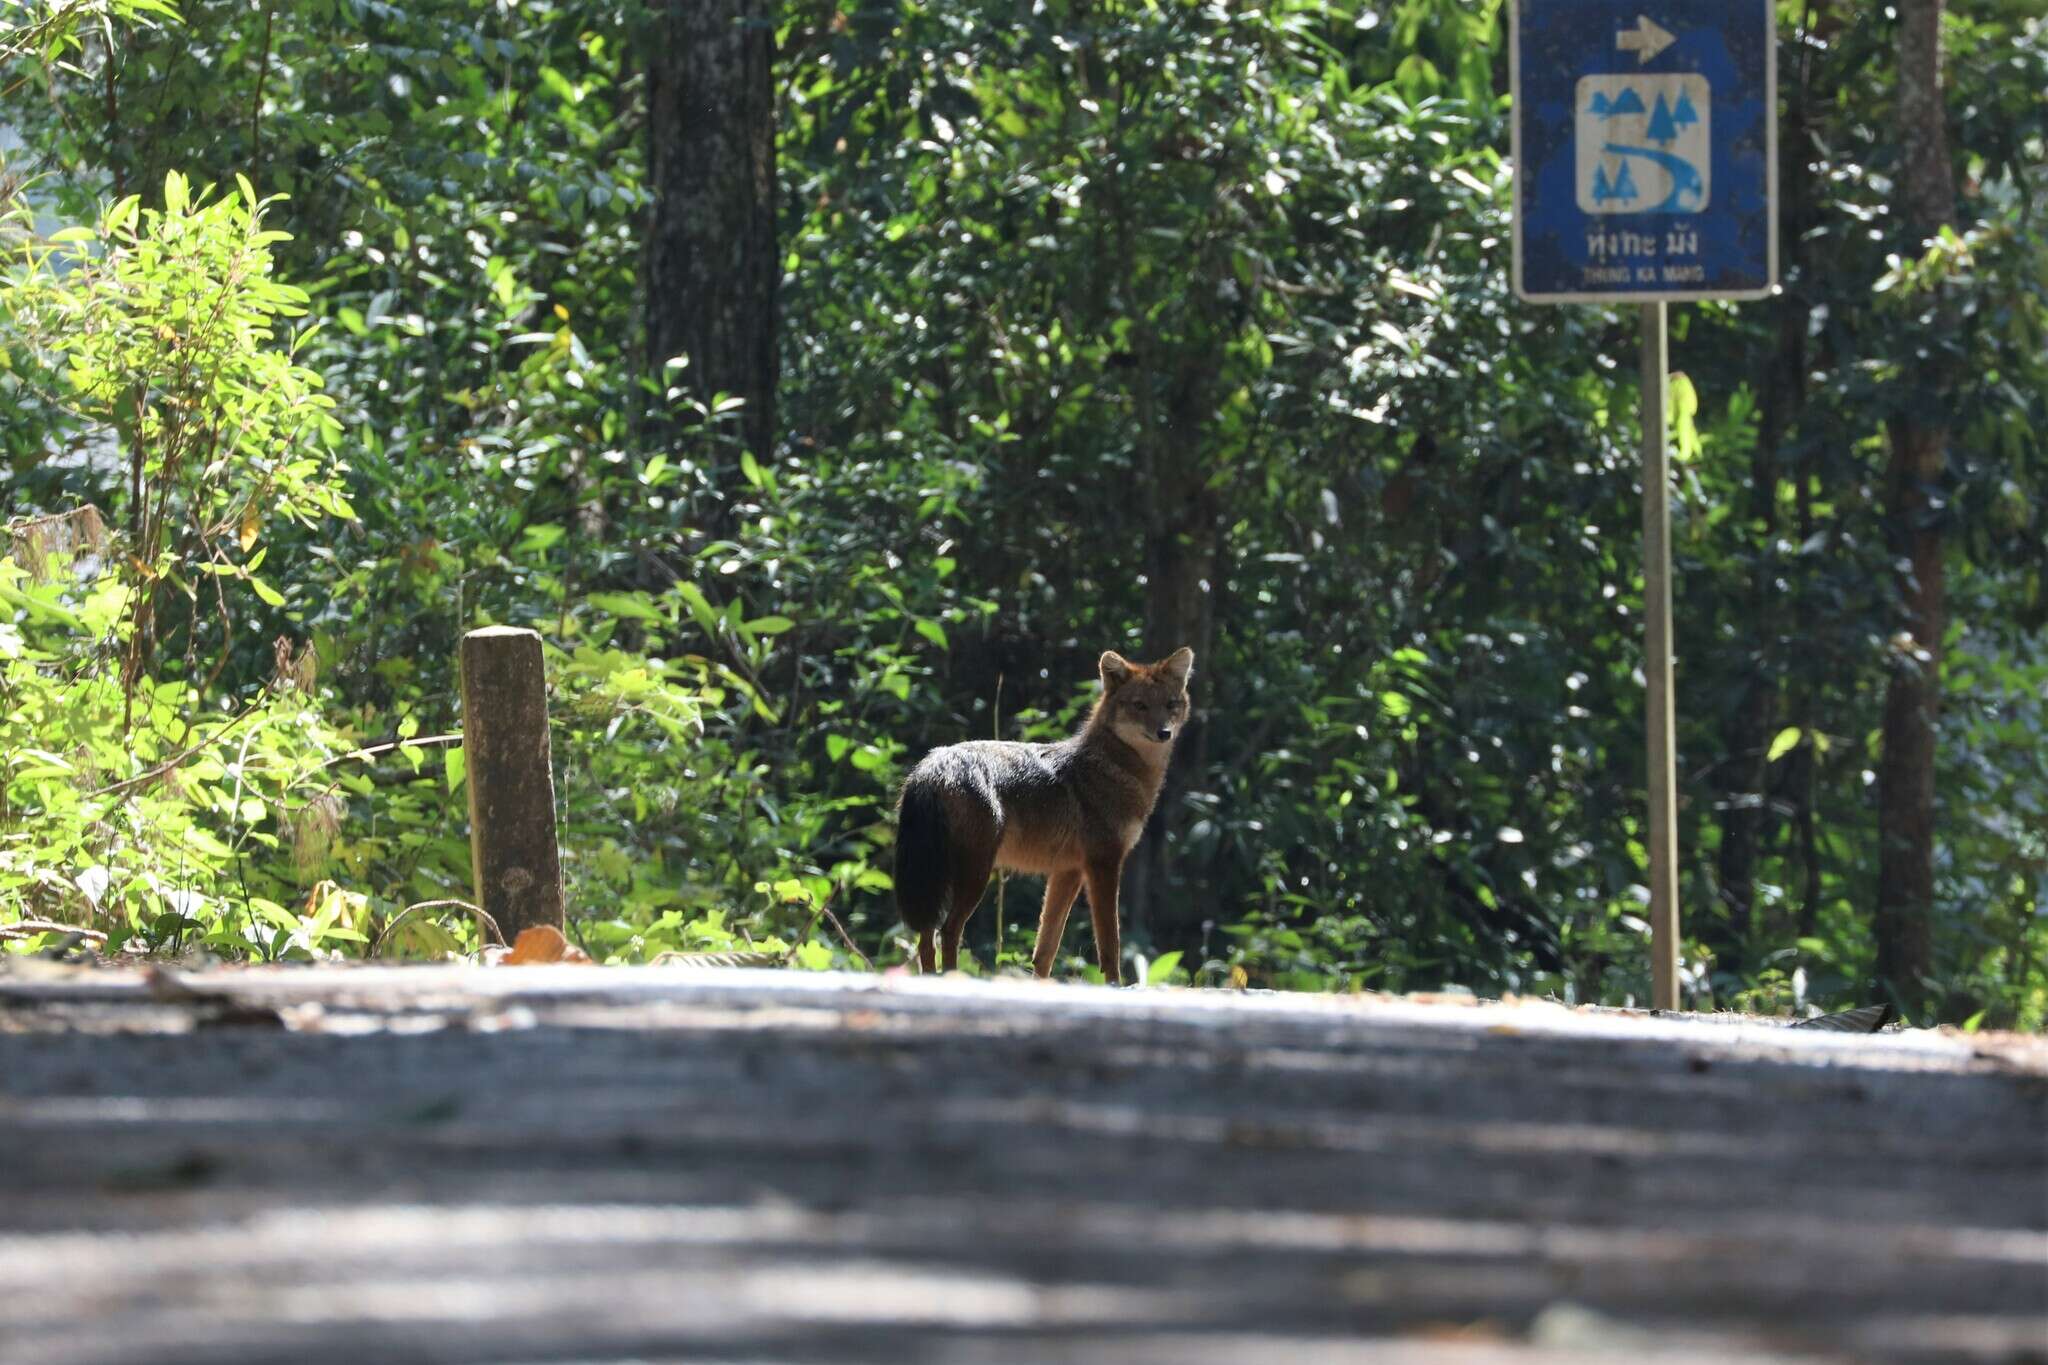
x=137 y=795
x=163 y=323
x=47 y=33
x=131 y=804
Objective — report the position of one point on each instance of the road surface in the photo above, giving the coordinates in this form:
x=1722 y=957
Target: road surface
x=373 y=1166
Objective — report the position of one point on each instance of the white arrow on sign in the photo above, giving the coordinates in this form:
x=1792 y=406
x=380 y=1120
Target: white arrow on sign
x=1648 y=39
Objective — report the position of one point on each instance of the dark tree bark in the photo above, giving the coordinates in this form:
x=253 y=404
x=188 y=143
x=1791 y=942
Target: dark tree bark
x=1919 y=456
x=712 y=263
x=1182 y=528
x=1748 y=727
x=1183 y=540
x=1752 y=803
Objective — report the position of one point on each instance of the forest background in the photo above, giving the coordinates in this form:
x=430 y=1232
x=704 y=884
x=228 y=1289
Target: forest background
x=829 y=381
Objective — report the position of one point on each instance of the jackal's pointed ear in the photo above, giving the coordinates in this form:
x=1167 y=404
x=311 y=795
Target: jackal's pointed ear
x=1178 y=666
x=1115 y=670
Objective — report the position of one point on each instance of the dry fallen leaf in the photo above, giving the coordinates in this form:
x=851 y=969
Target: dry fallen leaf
x=542 y=944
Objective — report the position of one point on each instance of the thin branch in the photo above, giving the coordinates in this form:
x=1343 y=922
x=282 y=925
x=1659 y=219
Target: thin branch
x=483 y=917
x=112 y=104
x=847 y=938
x=370 y=752
x=825 y=911
x=375 y=749
x=141 y=779
x=256 y=98
x=18 y=41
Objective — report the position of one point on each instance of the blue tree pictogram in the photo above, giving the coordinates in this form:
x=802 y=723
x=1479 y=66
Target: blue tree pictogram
x=1662 y=127
x=1624 y=187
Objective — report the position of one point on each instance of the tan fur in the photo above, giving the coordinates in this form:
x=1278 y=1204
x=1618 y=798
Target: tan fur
x=1071 y=811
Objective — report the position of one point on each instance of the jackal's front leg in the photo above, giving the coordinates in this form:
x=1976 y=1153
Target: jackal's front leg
x=1103 y=876
x=1060 y=890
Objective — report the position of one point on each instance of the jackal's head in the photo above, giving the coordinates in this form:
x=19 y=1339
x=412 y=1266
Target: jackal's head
x=1146 y=704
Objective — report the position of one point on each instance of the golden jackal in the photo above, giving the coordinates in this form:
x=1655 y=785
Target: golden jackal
x=1071 y=810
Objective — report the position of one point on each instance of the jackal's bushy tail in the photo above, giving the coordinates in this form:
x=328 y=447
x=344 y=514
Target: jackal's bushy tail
x=922 y=858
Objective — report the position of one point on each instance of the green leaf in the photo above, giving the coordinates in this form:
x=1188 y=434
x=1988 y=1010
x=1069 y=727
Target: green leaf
x=636 y=605
x=453 y=766
x=1162 y=968
x=274 y=913
x=1785 y=743
x=266 y=592
x=1682 y=407
x=540 y=537
x=700 y=607
x=559 y=86
x=933 y=631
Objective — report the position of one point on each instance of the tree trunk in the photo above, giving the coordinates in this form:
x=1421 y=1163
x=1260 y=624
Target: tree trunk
x=1747 y=816
x=1183 y=533
x=1802 y=153
x=712 y=263
x=1912 y=703
x=1747 y=729
x=1919 y=453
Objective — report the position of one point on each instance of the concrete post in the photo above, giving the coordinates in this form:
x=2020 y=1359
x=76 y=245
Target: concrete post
x=511 y=783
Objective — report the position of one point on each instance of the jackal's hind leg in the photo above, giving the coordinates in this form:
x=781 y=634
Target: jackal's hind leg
x=970 y=880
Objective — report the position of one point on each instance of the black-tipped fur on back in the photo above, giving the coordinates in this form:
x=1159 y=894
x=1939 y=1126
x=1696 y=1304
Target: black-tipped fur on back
x=922 y=858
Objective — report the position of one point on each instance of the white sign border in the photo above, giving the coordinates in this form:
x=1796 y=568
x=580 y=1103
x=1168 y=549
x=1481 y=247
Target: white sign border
x=1771 y=285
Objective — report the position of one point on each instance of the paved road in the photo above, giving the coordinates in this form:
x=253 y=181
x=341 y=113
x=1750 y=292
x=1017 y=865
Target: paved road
x=371 y=1166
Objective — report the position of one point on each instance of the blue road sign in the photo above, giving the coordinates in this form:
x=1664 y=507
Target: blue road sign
x=1646 y=149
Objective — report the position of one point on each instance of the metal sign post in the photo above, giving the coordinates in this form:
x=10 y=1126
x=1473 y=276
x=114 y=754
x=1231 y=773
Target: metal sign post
x=1657 y=668
x=1646 y=171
